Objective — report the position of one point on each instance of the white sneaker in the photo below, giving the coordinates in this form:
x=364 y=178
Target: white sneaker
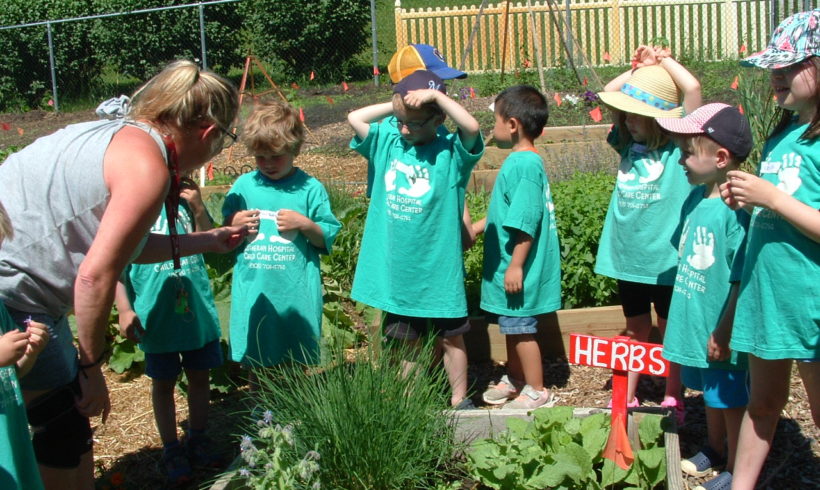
x=531 y=398
x=500 y=392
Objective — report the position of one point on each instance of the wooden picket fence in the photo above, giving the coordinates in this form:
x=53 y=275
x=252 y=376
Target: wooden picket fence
x=602 y=31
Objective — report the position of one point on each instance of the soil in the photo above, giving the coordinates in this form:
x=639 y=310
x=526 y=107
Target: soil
x=128 y=448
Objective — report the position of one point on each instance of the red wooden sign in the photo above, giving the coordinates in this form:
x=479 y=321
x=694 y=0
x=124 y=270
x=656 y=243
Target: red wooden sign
x=617 y=354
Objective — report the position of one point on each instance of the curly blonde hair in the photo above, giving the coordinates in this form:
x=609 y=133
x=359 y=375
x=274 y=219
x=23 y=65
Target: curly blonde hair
x=184 y=95
x=274 y=127
x=6 y=231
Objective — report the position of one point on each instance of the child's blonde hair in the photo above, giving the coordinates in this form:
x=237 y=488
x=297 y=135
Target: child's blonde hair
x=274 y=126
x=430 y=107
x=656 y=137
x=183 y=95
x=6 y=231
x=700 y=144
x=786 y=116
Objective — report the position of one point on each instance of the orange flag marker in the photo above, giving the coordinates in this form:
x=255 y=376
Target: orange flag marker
x=376 y=71
x=301 y=115
x=606 y=57
x=743 y=48
x=472 y=93
x=329 y=99
x=210 y=171
x=344 y=86
x=740 y=109
x=733 y=86
x=312 y=75
x=6 y=126
x=294 y=86
x=596 y=115
x=20 y=131
x=585 y=81
x=557 y=98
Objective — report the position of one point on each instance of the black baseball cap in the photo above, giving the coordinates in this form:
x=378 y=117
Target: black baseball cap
x=419 y=80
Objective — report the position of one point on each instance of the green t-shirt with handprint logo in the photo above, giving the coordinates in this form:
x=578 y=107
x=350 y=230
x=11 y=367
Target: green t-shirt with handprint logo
x=778 y=311
x=650 y=188
x=410 y=261
x=710 y=237
x=521 y=203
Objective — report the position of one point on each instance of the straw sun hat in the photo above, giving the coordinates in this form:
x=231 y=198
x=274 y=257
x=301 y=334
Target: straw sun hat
x=650 y=91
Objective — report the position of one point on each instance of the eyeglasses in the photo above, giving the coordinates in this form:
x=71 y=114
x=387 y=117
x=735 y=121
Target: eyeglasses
x=228 y=138
x=413 y=125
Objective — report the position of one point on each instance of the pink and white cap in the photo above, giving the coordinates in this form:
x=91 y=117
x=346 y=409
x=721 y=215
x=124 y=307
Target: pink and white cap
x=721 y=122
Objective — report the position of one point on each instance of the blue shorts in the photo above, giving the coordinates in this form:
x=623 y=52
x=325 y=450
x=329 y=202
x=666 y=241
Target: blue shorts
x=56 y=365
x=722 y=388
x=411 y=328
x=168 y=365
x=517 y=325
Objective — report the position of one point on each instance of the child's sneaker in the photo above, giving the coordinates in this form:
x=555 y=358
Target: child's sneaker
x=721 y=482
x=676 y=404
x=635 y=403
x=500 y=392
x=199 y=453
x=176 y=466
x=531 y=398
x=703 y=463
x=465 y=404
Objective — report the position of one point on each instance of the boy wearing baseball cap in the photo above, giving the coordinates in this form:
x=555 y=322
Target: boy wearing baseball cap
x=410 y=265
x=714 y=139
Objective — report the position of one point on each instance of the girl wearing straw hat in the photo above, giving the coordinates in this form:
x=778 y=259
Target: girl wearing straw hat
x=777 y=318
x=635 y=246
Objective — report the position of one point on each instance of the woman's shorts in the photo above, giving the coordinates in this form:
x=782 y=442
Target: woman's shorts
x=411 y=328
x=57 y=364
x=637 y=299
x=517 y=325
x=168 y=365
x=722 y=388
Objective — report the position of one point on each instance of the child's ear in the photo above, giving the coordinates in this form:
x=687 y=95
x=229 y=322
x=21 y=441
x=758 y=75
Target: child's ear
x=514 y=125
x=724 y=158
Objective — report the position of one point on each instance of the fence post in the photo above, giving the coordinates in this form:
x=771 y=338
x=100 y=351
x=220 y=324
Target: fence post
x=401 y=31
x=615 y=30
x=53 y=68
x=375 y=43
x=202 y=43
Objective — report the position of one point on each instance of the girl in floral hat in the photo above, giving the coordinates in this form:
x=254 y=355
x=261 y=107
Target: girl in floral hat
x=778 y=312
x=636 y=244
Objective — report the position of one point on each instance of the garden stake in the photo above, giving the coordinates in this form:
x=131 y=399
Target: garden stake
x=622 y=355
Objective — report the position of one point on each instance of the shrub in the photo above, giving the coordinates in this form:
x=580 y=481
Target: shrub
x=580 y=208
x=308 y=35
x=373 y=426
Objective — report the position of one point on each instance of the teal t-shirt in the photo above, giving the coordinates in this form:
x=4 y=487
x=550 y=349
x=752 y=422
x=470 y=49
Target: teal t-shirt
x=176 y=308
x=18 y=467
x=778 y=311
x=636 y=242
x=710 y=238
x=521 y=202
x=410 y=261
x=276 y=294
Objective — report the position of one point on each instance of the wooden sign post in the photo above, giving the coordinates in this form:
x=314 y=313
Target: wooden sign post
x=621 y=355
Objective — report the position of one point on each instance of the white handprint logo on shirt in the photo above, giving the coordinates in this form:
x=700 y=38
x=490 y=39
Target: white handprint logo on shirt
x=390 y=176
x=418 y=177
x=703 y=248
x=655 y=169
x=789 y=173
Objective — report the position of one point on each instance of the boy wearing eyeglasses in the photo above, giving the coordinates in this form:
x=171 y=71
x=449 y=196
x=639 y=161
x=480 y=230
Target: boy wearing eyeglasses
x=410 y=265
x=276 y=295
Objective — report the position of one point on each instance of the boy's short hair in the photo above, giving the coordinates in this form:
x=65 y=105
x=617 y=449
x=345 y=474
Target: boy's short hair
x=274 y=126
x=721 y=123
x=6 y=231
x=526 y=104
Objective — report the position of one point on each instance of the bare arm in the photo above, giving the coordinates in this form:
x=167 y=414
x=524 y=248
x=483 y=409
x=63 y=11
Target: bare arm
x=360 y=119
x=616 y=83
x=717 y=347
x=688 y=84
x=514 y=277
x=193 y=195
x=465 y=122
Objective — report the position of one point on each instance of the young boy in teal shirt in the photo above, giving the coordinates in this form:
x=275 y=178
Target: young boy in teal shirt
x=171 y=314
x=714 y=139
x=522 y=263
x=410 y=264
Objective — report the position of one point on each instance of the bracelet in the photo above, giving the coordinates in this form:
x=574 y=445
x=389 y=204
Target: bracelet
x=95 y=363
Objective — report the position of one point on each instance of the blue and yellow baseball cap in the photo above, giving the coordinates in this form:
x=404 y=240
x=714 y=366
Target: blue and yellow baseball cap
x=420 y=57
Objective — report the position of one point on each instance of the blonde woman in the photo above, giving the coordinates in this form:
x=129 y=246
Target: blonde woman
x=83 y=201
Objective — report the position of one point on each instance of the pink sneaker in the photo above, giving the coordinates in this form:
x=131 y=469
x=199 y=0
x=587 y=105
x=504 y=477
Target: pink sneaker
x=676 y=404
x=635 y=403
x=501 y=392
x=531 y=399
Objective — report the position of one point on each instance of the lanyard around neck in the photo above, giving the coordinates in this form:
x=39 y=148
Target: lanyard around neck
x=172 y=201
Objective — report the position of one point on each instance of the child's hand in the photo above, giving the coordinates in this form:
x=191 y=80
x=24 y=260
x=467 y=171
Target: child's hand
x=38 y=339
x=13 y=345
x=748 y=190
x=644 y=56
x=130 y=326
x=717 y=349
x=417 y=98
x=249 y=219
x=514 y=279
x=727 y=196
x=289 y=220
x=189 y=190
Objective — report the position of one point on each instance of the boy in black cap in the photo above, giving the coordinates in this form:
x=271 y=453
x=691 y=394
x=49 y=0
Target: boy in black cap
x=410 y=264
x=714 y=139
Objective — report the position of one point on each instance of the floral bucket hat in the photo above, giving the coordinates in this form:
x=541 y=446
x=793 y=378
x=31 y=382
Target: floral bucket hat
x=795 y=39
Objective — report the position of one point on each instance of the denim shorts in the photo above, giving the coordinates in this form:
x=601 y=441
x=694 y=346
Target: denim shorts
x=722 y=388
x=411 y=328
x=56 y=365
x=168 y=365
x=517 y=325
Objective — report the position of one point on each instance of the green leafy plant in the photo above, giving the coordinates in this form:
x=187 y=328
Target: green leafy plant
x=557 y=450
x=756 y=98
x=580 y=208
x=377 y=421
x=269 y=459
